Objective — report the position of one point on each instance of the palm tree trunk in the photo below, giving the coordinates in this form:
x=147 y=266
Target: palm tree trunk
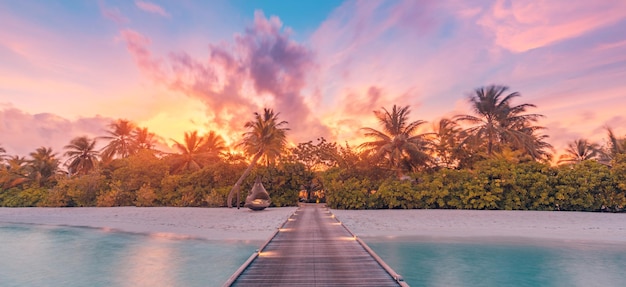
x=490 y=136
x=237 y=185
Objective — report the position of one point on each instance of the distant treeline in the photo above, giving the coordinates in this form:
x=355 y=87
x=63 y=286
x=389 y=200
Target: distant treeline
x=495 y=158
x=143 y=179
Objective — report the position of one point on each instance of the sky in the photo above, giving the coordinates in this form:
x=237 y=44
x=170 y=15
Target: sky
x=69 y=68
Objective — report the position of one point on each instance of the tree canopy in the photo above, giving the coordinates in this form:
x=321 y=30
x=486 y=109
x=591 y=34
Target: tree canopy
x=494 y=158
x=398 y=142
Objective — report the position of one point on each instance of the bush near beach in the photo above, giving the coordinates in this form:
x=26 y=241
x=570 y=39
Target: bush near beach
x=494 y=158
x=492 y=184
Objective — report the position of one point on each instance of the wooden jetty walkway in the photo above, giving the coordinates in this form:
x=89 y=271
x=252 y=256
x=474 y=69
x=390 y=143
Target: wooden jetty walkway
x=313 y=248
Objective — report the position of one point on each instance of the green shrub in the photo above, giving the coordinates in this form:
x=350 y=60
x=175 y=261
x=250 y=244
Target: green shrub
x=534 y=186
x=115 y=196
x=77 y=190
x=217 y=197
x=351 y=194
x=146 y=196
x=396 y=194
x=29 y=196
x=586 y=186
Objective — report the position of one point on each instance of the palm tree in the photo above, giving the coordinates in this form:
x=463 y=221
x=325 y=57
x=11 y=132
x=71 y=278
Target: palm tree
x=120 y=140
x=214 y=144
x=196 y=151
x=191 y=155
x=43 y=165
x=580 y=150
x=616 y=146
x=14 y=173
x=266 y=137
x=2 y=154
x=143 y=139
x=536 y=147
x=397 y=142
x=82 y=156
x=446 y=142
x=497 y=122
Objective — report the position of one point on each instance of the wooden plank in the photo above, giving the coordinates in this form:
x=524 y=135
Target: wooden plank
x=313 y=248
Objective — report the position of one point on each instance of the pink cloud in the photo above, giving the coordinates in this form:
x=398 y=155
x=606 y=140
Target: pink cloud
x=44 y=129
x=429 y=57
x=612 y=45
x=617 y=122
x=30 y=131
x=262 y=67
x=364 y=56
x=469 y=12
x=112 y=13
x=152 y=8
x=520 y=26
x=563 y=133
x=418 y=17
x=365 y=103
x=395 y=49
x=137 y=44
x=45 y=71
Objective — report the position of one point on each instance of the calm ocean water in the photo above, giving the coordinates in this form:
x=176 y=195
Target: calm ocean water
x=457 y=263
x=33 y=255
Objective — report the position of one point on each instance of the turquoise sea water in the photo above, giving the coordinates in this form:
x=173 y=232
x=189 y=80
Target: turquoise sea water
x=34 y=255
x=492 y=263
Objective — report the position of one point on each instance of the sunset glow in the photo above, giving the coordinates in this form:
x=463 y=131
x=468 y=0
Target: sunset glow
x=68 y=69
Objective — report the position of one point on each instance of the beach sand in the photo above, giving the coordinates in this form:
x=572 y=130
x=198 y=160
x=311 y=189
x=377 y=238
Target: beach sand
x=244 y=224
x=175 y=222
x=487 y=224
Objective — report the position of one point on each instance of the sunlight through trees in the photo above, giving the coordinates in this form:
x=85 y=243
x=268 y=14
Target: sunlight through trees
x=495 y=158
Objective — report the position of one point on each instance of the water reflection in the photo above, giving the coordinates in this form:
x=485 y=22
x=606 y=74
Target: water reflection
x=150 y=264
x=588 y=268
x=503 y=264
x=34 y=255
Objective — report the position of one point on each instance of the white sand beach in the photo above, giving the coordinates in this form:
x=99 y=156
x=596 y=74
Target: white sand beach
x=244 y=224
x=485 y=224
x=188 y=222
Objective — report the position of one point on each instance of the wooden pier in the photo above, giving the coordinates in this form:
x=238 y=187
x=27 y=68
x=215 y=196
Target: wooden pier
x=313 y=248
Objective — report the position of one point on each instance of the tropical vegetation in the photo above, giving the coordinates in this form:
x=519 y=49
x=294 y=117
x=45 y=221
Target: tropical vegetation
x=493 y=158
x=266 y=137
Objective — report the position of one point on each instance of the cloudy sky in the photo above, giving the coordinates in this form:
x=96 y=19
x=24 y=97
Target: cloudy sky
x=68 y=68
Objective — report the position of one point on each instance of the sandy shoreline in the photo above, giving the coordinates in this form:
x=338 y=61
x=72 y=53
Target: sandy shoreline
x=485 y=224
x=203 y=223
x=243 y=224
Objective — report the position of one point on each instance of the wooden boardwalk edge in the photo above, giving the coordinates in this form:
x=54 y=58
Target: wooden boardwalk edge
x=371 y=252
x=395 y=276
x=256 y=253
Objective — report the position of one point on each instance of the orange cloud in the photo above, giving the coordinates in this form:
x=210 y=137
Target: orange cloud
x=262 y=68
x=364 y=56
